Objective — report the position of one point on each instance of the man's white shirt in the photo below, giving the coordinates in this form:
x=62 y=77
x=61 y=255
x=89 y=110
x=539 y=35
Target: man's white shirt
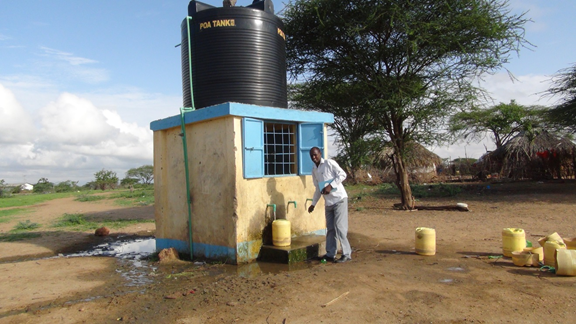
x=329 y=172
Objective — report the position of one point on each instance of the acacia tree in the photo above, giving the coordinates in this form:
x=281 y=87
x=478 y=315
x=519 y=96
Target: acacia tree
x=502 y=122
x=355 y=128
x=411 y=62
x=564 y=85
x=145 y=174
x=105 y=179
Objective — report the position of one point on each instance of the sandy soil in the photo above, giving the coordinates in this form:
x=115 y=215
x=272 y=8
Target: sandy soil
x=386 y=282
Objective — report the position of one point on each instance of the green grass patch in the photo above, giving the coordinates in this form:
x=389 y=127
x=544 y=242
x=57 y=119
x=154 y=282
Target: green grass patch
x=87 y=197
x=77 y=222
x=32 y=199
x=12 y=237
x=136 y=198
x=25 y=226
x=5 y=215
x=70 y=220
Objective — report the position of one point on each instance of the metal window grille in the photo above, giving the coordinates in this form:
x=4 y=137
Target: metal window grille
x=279 y=149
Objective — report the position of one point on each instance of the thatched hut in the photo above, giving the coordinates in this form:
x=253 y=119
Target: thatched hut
x=421 y=163
x=535 y=156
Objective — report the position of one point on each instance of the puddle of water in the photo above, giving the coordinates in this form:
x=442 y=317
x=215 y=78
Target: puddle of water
x=136 y=249
x=446 y=280
x=455 y=269
x=130 y=254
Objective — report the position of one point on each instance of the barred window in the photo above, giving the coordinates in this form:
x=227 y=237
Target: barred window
x=279 y=149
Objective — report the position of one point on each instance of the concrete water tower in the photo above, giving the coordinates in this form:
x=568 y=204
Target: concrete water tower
x=245 y=153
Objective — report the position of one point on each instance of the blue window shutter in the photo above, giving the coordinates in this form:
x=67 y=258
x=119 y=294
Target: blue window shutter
x=309 y=135
x=253 y=141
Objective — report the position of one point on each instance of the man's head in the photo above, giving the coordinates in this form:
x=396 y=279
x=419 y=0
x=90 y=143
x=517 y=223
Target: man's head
x=315 y=155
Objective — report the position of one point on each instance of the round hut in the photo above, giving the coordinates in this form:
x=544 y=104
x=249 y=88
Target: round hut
x=422 y=164
x=533 y=156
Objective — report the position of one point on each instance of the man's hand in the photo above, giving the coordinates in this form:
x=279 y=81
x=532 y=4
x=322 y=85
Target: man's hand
x=311 y=208
x=326 y=190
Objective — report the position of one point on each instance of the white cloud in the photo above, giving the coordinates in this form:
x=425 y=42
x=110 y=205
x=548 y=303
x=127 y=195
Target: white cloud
x=66 y=65
x=65 y=56
x=526 y=90
x=15 y=123
x=75 y=139
x=4 y=37
x=73 y=120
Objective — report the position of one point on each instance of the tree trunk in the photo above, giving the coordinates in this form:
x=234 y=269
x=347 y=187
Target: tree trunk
x=402 y=182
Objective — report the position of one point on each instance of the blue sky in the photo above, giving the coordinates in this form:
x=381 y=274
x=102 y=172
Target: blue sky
x=80 y=81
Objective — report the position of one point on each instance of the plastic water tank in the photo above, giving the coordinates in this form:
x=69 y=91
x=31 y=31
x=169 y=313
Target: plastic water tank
x=238 y=54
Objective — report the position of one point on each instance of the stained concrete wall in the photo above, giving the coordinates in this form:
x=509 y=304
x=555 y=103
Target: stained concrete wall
x=253 y=196
x=211 y=162
x=229 y=213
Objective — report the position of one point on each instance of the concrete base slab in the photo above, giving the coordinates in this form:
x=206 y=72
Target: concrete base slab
x=302 y=248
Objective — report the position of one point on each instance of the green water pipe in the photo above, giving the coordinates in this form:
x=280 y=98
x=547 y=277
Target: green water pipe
x=290 y=202
x=183 y=111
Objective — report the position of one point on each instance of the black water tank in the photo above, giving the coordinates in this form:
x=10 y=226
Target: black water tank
x=237 y=53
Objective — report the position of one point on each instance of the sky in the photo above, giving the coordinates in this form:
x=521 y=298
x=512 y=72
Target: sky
x=80 y=81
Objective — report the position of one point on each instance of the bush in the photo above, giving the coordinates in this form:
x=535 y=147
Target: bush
x=66 y=186
x=71 y=220
x=25 y=226
x=43 y=186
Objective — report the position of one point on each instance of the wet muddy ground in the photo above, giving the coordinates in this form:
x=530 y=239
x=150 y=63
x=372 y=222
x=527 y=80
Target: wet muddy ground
x=386 y=282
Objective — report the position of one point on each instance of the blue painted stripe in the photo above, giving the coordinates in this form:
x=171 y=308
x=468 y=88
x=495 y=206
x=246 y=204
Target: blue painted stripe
x=319 y=232
x=244 y=110
x=215 y=252
x=200 y=249
x=180 y=246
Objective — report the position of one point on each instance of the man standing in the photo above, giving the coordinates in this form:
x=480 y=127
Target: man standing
x=327 y=176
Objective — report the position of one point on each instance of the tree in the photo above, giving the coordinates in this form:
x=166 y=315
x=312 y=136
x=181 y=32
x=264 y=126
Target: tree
x=127 y=182
x=144 y=174
x=43 y=186
x=66 y=186
x=355 y=129
x=502 y=122
x=564 y=85
x=410 y=63
x=2 y=187
x=106 y=179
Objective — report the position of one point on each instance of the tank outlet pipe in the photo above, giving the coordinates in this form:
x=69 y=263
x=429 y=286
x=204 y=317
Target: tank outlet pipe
x=290 y=202
x=183 y=111
x=273 y=209
x=308 y=199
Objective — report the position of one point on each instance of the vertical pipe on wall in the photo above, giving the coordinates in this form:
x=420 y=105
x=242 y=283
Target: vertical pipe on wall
x=183 y=111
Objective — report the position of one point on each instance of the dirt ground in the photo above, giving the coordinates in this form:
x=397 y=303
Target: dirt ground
x=386 y=282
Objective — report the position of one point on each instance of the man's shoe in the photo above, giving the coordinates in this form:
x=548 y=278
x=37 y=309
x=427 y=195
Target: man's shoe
x=326 y=257
x=343 y=259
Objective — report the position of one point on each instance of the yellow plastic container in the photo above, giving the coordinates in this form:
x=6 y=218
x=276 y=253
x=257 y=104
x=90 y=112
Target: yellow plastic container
x=570 y=243
x=513 y=240
x=536 y=250
x=552 y=237
x=550 y=248
x=565 y=262
x=281 y=232
x=522 y=258
x=425 y=241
